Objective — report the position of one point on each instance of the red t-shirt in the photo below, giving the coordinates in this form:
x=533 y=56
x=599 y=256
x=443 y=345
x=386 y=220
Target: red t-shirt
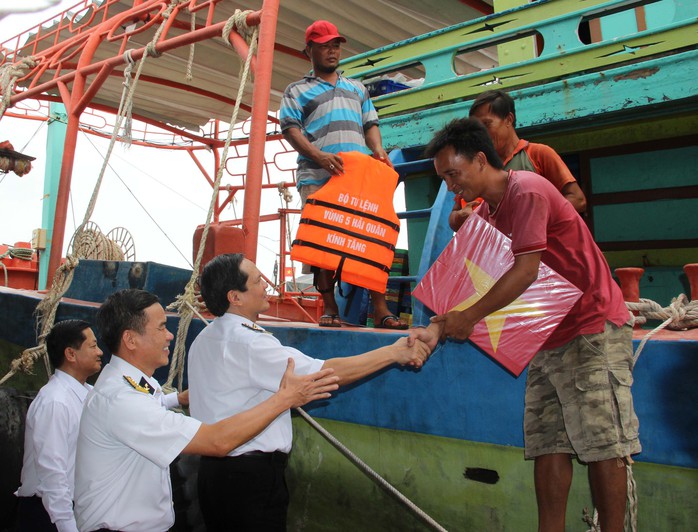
x=538 y=219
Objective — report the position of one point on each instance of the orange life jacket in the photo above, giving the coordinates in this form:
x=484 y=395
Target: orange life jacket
x=350 y=225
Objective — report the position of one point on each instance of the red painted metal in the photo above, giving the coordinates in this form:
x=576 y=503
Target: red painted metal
x=692 y=274
x=77 y=99
x=258 y=131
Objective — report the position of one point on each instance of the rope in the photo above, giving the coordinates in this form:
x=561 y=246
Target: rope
x=9 y=74
x=15 y=253
x=188 y=301
x=46 y=310
x=630 y=523
x=631 y=511
x=93 y=244
x=192 y=48
x=127 y=137
x=680 y=315
x=370 y=473
x=20 y=253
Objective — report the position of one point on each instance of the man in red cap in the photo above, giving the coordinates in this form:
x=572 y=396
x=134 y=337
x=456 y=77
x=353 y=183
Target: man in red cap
x=322 y=115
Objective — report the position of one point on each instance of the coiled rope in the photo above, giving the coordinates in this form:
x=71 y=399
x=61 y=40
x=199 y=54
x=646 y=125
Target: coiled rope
x=93 y=244
x=681 y=314
x=187 y=303
x=15 y=253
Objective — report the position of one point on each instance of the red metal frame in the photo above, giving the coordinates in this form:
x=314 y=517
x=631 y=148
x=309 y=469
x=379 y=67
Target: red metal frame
x=76 y=93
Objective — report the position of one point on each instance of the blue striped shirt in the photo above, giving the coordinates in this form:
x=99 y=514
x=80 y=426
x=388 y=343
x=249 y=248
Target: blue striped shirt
x=332 y=117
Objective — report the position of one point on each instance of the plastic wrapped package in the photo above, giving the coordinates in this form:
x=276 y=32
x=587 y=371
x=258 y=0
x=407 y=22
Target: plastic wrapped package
x=477 y=256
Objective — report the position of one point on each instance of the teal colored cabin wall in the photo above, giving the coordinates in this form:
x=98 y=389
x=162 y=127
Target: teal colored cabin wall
x=655 y=16
x=645 y=170
x=420 y=193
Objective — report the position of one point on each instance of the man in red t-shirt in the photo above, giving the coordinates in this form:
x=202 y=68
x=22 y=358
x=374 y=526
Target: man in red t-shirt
x=497 y=112
x=578 y=400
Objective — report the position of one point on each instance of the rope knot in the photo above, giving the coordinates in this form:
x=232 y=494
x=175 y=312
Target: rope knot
x=239 y=22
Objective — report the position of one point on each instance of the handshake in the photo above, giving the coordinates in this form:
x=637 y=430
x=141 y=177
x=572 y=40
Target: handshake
x=414 y=350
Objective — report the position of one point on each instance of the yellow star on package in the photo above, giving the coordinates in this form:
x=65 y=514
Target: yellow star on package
x=477 y=256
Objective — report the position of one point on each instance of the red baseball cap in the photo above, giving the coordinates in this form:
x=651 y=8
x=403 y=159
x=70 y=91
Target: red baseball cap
x=322 y=31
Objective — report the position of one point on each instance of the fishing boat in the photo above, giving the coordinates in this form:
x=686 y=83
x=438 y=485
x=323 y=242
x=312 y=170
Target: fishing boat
x=610 y=84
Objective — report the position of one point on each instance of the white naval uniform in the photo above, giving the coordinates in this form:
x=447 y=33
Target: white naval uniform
x=233 y=366
x=48 y=469
x=127 y=441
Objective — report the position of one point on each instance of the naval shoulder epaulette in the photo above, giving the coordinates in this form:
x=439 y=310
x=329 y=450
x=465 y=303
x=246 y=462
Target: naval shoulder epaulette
x=144 y=389
x=254 y=327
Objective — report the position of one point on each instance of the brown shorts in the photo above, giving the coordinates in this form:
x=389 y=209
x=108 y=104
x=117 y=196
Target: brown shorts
x=578 y=398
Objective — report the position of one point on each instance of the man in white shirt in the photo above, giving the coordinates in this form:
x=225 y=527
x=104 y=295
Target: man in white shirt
x=128 y=439
x=53 y=419
x=234 y=364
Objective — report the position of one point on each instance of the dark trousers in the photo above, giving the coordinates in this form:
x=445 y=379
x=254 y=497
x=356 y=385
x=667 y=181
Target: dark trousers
x=244 y=493
x=32 y=516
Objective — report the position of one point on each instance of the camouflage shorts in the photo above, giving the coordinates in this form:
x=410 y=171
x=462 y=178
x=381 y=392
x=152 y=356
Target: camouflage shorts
x=578 y=398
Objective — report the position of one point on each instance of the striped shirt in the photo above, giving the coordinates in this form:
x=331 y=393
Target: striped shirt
x=332 y=117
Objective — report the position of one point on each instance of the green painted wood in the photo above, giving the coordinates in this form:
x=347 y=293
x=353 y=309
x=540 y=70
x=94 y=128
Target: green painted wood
x=478 y=33
x=330 y=494
x=652 y=257
x=644 y=171
x=55 y=140
x=649 y=90
x=420 y=193
x=657 y=220
x=592 y=57
x=630 y=132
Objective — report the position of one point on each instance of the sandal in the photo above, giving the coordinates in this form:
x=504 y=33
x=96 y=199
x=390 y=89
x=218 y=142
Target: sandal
x=391 y=322
x=330 y=320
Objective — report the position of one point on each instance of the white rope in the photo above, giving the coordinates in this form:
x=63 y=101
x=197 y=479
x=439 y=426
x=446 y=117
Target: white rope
x=681 y=314
x=9 y=74
x=631 y=512
x=188 y=301
x=192 y=48
x=630 y=523
x=370 y=473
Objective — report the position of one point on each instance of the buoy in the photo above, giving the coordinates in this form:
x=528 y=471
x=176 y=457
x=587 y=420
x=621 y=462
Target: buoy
x=692 y=274
x=630 y=284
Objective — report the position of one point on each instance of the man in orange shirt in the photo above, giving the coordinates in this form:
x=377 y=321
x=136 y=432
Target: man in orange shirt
x=497 y=112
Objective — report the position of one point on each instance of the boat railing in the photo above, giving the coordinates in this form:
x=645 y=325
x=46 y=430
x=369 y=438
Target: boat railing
x=559 y=39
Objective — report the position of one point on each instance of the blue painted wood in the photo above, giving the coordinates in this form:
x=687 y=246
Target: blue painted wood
x=461 y=392
x=94 y=280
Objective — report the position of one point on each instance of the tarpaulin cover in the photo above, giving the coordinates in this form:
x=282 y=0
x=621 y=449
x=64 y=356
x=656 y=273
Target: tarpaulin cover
x=477 y=256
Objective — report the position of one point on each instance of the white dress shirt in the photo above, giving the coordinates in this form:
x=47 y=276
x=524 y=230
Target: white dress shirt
x=126 y=443
x=233 y=366
x=48 y=470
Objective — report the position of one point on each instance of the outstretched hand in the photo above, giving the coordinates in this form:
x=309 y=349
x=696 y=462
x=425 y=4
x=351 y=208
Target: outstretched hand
x=299 y=390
